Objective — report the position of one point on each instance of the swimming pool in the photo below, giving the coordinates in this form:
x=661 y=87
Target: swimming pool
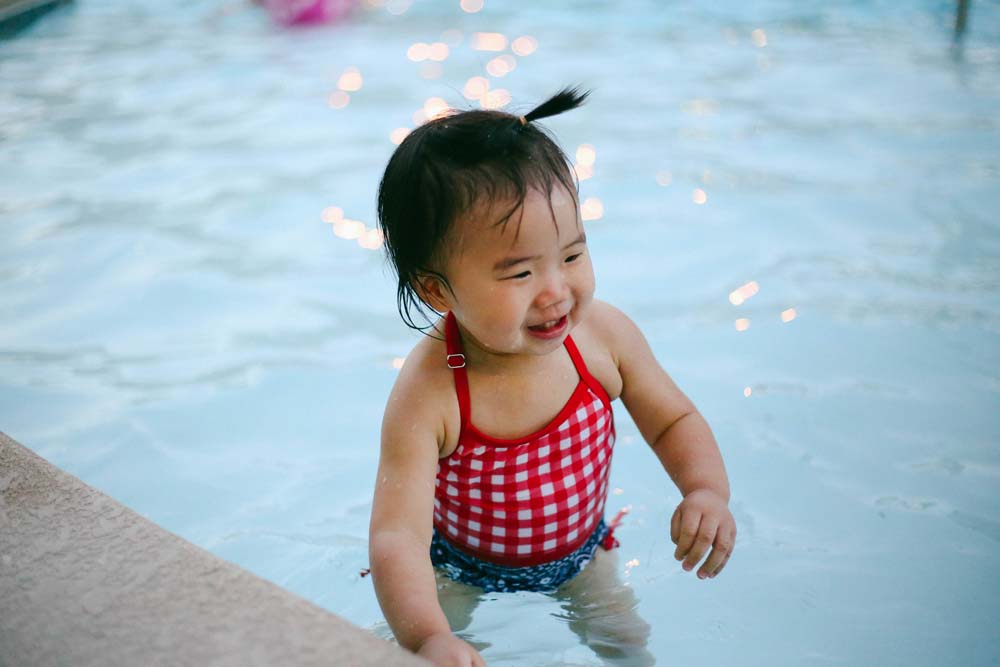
x=184 y=330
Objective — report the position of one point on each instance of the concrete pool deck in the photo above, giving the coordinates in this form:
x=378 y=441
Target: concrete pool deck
x=86 y=581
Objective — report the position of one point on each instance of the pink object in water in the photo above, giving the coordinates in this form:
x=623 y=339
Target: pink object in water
x=300 y=12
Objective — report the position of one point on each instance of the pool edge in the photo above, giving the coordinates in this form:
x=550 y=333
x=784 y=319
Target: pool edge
x=84 y=580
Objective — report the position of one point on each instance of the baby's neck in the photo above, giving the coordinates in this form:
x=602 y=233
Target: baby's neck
x=483 y=361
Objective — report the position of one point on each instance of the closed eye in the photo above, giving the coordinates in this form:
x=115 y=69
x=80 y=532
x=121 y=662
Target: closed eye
x=523 y=274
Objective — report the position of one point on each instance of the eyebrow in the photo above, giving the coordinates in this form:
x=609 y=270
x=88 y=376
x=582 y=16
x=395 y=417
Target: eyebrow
x=508 y=262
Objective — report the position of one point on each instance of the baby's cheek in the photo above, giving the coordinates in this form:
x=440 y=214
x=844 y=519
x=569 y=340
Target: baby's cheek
x=584 y=299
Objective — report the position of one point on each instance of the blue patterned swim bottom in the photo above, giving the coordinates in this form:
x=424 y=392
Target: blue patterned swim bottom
x=491 y=577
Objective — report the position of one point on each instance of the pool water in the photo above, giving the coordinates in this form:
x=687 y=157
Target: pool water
x=182 y=329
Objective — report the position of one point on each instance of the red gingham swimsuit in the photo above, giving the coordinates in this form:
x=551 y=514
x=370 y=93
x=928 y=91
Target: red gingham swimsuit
x=532 y=499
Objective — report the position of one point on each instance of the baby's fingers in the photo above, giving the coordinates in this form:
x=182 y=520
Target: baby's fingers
x=723 y=547
x=687 y=531
x=675 y=526
x=706 y=537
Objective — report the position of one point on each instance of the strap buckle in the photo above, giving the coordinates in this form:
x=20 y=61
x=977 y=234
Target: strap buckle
x=456 y=365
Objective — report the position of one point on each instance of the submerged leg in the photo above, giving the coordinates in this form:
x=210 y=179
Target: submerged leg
x=601 y=610
x=457 y=600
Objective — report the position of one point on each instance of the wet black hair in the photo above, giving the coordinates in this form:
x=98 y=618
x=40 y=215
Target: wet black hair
x=453 y=164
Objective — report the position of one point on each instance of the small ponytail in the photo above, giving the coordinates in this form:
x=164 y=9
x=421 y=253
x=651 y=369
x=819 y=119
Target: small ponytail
x=566 y=99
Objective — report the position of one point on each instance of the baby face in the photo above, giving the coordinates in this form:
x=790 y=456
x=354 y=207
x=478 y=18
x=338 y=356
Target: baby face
x=521 y=287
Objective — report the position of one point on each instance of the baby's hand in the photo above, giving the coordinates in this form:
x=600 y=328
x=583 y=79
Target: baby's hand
x=703 y=520
x=446 y=650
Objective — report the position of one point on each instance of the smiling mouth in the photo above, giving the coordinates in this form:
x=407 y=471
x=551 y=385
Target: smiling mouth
x=550 y=327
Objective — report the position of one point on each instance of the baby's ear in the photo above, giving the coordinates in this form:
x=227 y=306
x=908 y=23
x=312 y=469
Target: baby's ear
x=434 y=291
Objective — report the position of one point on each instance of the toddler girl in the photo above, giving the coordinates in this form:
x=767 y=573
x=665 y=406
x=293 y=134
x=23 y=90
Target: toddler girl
x=497 y=438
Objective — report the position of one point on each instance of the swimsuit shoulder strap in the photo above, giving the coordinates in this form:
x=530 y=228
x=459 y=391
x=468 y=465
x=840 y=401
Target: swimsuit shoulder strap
x=583 y=372
x=456 y=362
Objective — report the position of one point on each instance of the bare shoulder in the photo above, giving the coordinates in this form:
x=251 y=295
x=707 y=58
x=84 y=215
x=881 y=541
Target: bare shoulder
x=613 y=329
x=423 y=398
x=414 y=429
x=649 y=394
x=601 y=338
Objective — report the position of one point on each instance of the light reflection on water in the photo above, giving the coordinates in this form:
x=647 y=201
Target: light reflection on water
x=193 y=323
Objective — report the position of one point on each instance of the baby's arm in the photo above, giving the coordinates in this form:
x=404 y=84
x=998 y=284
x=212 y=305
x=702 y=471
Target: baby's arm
x=683 y=442
x=401 y=529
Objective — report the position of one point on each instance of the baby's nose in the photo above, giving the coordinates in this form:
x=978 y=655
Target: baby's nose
x=554 y=291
